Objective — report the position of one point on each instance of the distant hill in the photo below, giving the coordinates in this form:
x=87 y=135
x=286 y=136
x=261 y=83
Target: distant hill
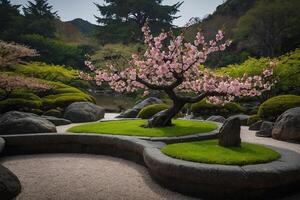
x=77 y=31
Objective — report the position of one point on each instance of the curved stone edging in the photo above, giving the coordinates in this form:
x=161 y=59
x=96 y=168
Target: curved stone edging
x=197 y=179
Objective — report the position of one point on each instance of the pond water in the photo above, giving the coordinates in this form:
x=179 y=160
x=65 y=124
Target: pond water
x=114 y=103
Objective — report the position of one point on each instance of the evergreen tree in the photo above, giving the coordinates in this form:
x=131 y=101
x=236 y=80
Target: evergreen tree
x=122 y=20
x=40 y=18
x=10 y=20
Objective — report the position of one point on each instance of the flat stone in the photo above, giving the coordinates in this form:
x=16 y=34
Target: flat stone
x=10 y=185
x=216 y=118
x=287 y=125
x=265 y=129
x=56 y=121
x=256 y=126
x=15 y=122
x=84 y=112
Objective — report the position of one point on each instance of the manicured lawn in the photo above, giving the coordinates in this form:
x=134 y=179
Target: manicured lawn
x=134 y=128
x=210 y=152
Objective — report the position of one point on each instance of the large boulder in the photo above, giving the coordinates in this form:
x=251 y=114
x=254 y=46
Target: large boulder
x=10 y=185
x=230 y=133
x=243 y=118
x=84 y=112
x=287 y=125
x=265 y=129
x=133 y=112
x=216 y=118
x=15 y=122
x=56 y=121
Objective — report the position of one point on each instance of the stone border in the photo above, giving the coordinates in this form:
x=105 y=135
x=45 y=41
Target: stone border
x=259 y=181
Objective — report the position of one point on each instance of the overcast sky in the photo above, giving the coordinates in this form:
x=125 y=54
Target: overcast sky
x=85 y=9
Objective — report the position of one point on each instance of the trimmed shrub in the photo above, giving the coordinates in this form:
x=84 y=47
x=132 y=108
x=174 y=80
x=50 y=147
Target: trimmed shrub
x=19 y=104
x=252 y=119
x=53 y=112
x=65 y=99
x=273 y=107
x=36 y=111
x=204 y=108
x=151 y=110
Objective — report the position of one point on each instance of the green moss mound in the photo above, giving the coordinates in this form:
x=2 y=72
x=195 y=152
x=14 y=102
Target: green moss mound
x=204 y=108
x=273 y=107
x=149 y=111
x=210 y=152
x=135 y=128
x=53 y=112
x=19 y=104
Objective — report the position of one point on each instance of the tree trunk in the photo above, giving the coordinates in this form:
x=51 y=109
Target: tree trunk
x=164 y=118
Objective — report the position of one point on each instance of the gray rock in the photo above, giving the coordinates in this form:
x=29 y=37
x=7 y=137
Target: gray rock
x=216 y=118
x=230 y=133
x=56 y=121
x=256 y=126
x=133 y=112
x=265 y=129
x=287 y=125
x=2 y=144
x=15 y=122
x=84 y=112
x=243 y=118
x=10 y=185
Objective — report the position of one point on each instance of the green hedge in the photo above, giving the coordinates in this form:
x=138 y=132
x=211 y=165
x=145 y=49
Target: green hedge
x=53 y=112
x=151 y=110
x=273 y=107
x=19 y=104
x=204 y=108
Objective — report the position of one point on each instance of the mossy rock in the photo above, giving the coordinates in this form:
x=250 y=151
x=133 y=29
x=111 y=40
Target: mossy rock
x=151 y=110
x=252 y=119
x=204 y=108
x=272 y=108
x=53 y=112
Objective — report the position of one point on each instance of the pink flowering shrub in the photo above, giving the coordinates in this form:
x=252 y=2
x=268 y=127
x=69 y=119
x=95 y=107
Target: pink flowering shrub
x=9 y=83
x=171 y=64
x=11 y=53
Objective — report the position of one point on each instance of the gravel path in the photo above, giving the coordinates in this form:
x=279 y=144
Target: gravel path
x=84 y=177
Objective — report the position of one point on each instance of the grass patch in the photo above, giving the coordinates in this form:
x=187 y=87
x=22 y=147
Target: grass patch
x=210 y=152
x=134 y=128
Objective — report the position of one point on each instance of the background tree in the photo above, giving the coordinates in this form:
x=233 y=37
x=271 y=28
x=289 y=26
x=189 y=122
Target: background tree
x=11 y=20
x=174 y=69
x=39 y=18
x=123 y=20
x=271 y=27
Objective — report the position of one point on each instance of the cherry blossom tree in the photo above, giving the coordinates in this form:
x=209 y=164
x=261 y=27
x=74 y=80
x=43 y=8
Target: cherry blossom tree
x=11 y=53
x=9 y=83
x=172 y=65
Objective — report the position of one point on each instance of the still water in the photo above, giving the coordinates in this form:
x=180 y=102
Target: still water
x=114 y=103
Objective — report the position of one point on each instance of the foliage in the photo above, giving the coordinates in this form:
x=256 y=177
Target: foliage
x=204 y=108
x=55 y=51
x=46 y=71
x=252 y=119
x=39 y=18
x=148 y=111
x=271 y=27
x=11 y=53
x=20 y=104
x=272 y=108
x=122 y=20
x=209 y=152
x=286 y=71
x=134 y=128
